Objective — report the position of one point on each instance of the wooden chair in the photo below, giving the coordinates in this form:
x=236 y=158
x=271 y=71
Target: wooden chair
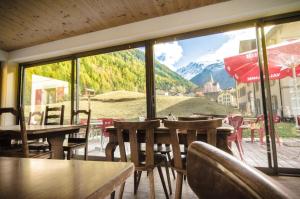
x=76 y=141
x=192 y=128
x=36 y=144
x=143 y=161
x=54 y=115
x=33 y=115
x=213 y=173
x=24 y=150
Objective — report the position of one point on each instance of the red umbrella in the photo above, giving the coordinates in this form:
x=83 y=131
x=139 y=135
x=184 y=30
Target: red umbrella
x=281 y=60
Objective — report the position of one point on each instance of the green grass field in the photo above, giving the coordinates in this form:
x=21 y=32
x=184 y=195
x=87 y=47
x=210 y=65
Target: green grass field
x=131 y=105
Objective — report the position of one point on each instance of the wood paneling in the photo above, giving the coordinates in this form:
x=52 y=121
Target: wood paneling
x=31 y=22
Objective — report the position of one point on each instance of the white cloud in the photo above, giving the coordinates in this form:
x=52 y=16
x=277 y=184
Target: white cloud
x=230 y=48
x=168 y=53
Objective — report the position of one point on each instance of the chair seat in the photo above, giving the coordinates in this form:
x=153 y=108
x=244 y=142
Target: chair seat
x=38 y=146
x=71 y=146
x=20 y=154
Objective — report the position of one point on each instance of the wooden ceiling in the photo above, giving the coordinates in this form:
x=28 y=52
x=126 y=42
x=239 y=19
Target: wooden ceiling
x=31 y=22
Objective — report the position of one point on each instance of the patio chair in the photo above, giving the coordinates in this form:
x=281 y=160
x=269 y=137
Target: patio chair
x=237 y=135
x=143 y=161
x=77 y=141
x=259 y=126
x=226 y=177
x=21 y=151
x=105 y=122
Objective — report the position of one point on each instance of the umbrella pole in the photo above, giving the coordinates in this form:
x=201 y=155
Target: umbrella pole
x=280 y=95
x=296 y=92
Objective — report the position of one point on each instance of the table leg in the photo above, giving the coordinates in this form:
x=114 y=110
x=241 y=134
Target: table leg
x=222 y=143
x=109 y=151
x=56 y=146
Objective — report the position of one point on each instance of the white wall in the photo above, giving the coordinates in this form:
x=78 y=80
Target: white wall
x=9 y=89
x=199 y=18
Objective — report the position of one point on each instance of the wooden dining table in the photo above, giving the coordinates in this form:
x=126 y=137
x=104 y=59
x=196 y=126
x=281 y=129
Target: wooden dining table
x=49 y=179
x=55 y=135
x=162 y=136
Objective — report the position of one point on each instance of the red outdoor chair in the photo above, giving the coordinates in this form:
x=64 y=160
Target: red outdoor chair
x=236 y=136
x=261 y=129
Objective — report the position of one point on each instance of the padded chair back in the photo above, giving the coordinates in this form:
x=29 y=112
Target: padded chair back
x=133 y=128
x=54 y=115
x=208 y=127
x=20 y=119
x=212 y=173
x=33 y=115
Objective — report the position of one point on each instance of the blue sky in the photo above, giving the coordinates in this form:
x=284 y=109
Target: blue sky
x=196 y=47
x=205 y=49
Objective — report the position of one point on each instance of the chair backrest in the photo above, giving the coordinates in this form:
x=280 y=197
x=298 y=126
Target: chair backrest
x=32 y=118
x=192 y=128
x=20 y=118
x=54 y=115
x=227 y=177
x=133 y=128
x=87 y=120
x=236 y=122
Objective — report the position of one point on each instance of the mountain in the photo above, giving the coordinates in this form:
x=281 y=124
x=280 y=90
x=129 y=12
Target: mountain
x=219 y=74
x=191 y=70
x=121 y=70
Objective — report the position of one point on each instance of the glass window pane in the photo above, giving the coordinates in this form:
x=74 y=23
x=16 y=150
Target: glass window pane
x=283 y=51
x=48 y=84
x=113 y=86
x=217 y=75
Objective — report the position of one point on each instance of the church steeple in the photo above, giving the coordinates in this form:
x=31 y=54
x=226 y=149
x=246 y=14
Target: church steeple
x=211 y=78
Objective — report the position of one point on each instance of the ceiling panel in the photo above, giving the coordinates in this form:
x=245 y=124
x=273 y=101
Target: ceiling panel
x=31 y=22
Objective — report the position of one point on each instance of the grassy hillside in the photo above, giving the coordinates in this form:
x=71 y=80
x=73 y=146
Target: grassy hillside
x=122 y=70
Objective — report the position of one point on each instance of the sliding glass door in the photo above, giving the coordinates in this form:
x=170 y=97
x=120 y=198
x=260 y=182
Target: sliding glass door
x=283 y=60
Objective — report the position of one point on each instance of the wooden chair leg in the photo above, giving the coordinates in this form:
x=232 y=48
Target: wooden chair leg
x=168 y=175
x=151 y=185
x=135 y=182
x=169 y=160
x=85 y=153
x=136 y=178
x=69 y=154
x=162 y=181
x=121 y=191
x=112 y=195
x=179 y=180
